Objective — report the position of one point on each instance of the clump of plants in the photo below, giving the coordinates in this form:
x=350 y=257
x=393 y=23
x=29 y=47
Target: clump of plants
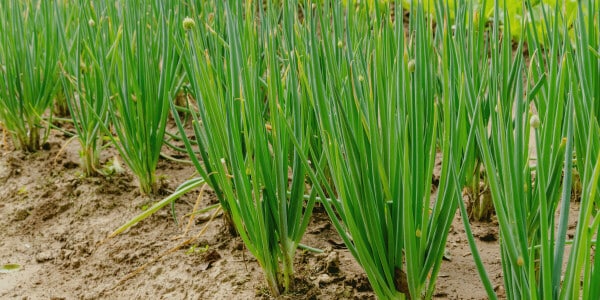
x=87 y=79
x=282 y=105
x=29 y=57
x=242 y=73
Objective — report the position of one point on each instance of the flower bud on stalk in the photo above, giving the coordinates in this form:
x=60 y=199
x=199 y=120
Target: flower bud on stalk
x=534 y=121
x=411 y=65
x=188 y=23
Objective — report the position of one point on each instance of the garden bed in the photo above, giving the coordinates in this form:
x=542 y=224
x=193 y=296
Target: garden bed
x=335 y=150
x=54 y=224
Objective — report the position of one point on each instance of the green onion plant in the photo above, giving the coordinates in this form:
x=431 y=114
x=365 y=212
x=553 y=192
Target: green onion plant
x=379 y=121
x=468 y=30
x=29 y=56
x=67 y=14
x=346 y=106
x=243 y=76
x=87 y=78
x=526 y=145
x=583 y=268
x=145 y=82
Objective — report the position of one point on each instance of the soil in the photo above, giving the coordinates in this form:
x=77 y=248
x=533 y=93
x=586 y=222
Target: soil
x=54 y=223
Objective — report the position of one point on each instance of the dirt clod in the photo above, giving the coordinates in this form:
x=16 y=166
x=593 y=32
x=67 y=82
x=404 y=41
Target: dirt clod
x=333 y=263
x=45 y=256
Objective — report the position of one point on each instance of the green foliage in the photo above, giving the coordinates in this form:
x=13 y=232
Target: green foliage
x=87 y=77
x=242 y=73
x=583 y=265
x=29 y=56
x=379 y=123
x=346 y=103
x=526 y=143
x=145 y=81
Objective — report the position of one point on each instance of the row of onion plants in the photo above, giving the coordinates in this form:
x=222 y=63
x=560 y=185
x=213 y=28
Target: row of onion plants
x=293 y=103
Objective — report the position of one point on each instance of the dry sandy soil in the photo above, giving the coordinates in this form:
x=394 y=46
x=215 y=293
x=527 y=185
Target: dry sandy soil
x=54 y=223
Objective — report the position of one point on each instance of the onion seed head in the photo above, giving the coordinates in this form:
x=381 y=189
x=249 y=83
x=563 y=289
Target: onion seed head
x=188 y=23
x=534 y=121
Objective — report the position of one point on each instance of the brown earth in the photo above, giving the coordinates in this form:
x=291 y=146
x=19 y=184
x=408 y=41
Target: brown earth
x=54 y=223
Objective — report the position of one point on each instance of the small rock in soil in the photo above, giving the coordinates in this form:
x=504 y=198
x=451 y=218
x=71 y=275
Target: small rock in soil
x=21 y=214
x=45 y=256
x=359 y=282
x=323 y=279
x=333 y=263
x=488 y=237
x=320 y=228
x=337 y=244
x=201 y=218
x=487 y=234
